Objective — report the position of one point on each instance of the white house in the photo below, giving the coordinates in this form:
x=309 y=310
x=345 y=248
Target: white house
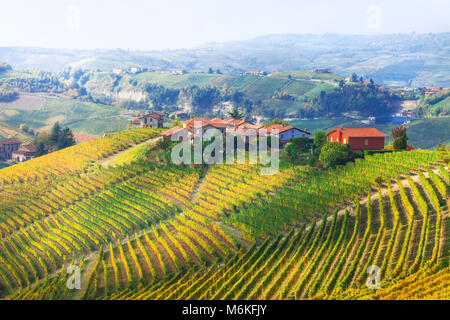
x=286 y=133
x=152 y=120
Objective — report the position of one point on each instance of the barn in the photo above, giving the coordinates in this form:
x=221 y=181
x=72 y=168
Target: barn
x=358 y=138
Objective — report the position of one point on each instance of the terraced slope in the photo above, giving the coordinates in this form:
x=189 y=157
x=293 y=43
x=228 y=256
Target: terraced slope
x=229 y=232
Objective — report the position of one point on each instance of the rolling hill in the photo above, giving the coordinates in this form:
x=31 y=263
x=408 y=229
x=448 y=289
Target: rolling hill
x=395 y=60
x=146 y=231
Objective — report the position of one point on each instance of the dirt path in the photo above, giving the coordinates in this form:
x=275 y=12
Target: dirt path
x=89 y=266
x=106 y=161
x=198 y=186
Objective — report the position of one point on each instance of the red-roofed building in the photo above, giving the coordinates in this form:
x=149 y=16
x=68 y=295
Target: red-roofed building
x=286 y=133
x=152 y=120
x=24 y=153
x=358 y=138
x=167 y=135
x=8 y=146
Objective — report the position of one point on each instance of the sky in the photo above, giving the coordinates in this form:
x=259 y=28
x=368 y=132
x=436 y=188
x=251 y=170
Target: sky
x=176 y=24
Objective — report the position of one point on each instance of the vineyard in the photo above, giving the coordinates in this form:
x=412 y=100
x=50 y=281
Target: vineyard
x=143 y=231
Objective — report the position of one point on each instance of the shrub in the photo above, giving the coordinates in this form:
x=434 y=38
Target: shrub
x=400 y=143
x=335 y=153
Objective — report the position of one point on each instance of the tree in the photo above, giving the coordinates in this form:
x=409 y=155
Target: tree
x=399 y=132
x=40 y=149
x=320 y=138
x=23 y=127
x=297 y=149
x=65 y=139
x=55 y=133
x=400 y=143
x=400 y=138
x=210 y=70
x=275 y=121
x=353 y=77
x=335 y=153
x=236 y=114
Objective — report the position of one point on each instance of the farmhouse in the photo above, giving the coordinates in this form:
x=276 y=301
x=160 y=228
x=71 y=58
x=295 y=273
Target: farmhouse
x=24 y=153
x=179 y=71
x=152 y=120
x=167 y=135
x=286 y=133
x=8 y=146
x=358 y=138
x=238 y=127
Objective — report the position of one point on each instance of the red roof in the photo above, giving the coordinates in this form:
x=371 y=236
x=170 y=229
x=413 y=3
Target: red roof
x=9 y=141
x=235 y=121
x=360 y=132
x=136 y=121
x=28 y=147
x=191 y=121
x=279 y=127
x=154 y=115
x=171 y=131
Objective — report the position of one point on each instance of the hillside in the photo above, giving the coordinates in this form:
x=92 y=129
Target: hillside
x=395 y=60
x=142 y=231
x=111 y=101
x=40 y=111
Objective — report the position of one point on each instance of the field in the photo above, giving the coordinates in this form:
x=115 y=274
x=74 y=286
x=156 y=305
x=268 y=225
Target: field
x=82 y=117
x=142 y=231
x=8 y=131
x=170 y=80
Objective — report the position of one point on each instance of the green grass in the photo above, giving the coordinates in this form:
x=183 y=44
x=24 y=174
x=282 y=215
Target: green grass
x=305 y=74
x=299 y=87
x=264 y=88
x=240 y=82
x=429 y=132
x=319 y=124
x=4 y=165
x=15 y=132
x=130 y=156
x=98 y=126
x=82 y=117
x=170 y=80
x=443 y=106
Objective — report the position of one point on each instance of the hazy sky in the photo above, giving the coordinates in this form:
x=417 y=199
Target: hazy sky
x=170 y=24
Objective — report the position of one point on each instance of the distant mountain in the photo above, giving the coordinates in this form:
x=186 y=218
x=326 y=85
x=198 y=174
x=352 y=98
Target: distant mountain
x=395 y=60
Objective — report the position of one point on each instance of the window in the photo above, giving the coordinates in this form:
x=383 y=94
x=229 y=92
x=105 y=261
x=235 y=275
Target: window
x=331 y=139
x=366 y=142
x=345 y=140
